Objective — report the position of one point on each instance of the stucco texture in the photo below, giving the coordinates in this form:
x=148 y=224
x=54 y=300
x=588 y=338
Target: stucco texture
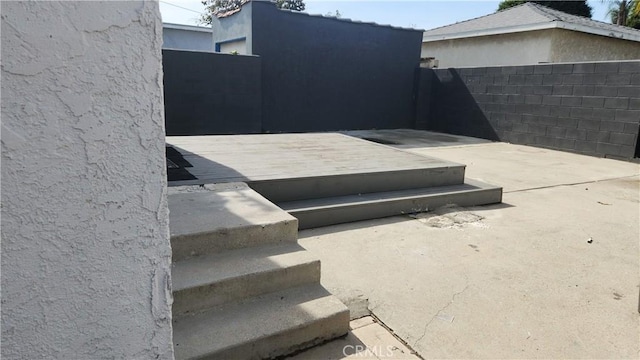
x=505 y=49
x=85 y=240
x=573 y=46
x=529 y=48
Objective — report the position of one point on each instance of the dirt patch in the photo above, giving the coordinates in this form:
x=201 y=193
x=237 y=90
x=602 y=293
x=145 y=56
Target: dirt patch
x=449 y=216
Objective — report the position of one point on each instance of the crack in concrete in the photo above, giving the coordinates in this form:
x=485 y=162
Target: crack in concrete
x=569 y=184
x=424 y=332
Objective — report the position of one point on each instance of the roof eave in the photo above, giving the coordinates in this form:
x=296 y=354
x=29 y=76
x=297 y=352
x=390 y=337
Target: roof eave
x=494 y=31
x=601 y=32
x=533 y=27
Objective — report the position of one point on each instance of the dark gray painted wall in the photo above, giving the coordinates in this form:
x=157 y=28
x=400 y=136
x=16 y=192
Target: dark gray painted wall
x=588 y=108
x=322 y=74
x=208 y=93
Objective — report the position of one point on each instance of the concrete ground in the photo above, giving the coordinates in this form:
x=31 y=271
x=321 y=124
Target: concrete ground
x=552 y=272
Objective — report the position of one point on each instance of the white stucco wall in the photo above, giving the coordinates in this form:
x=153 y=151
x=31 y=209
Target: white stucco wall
x=573 y=46
x=506 y=49
x=85 y=242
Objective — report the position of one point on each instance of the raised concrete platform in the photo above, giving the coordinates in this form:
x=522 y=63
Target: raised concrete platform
x=331 y=178
x=268 y=157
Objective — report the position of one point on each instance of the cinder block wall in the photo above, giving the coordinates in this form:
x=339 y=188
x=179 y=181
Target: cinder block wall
x=588 y=108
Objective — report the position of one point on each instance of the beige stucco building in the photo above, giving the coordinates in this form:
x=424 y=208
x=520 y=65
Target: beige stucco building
x=529 y=34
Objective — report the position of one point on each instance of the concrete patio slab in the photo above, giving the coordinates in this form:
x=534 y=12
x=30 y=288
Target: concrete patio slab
x=250 y=158
x=553 y=272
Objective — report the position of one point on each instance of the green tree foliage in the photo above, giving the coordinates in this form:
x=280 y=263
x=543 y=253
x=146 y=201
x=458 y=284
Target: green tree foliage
x=295 y=5
x=216 y=7
x=575 y=7
x=625 y=12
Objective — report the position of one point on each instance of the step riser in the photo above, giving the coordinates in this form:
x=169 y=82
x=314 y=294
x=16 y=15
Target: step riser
x=351 y=184
x=207 y=296
x=186 y=246
x=285 y=343
x=308 y=219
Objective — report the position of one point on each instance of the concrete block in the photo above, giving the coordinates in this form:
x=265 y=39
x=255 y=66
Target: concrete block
x=581 y=113
x=583 y=90
x=267 y=326
x=635 y=79
x=565 y=144
x=207 y=281
x=486 y=80
x=552 y=79
x=508 y=108
x=586 y=147
x=501 y=79
x=622 y=139
x=629 y=67
x=593 y=101
x=588 y=124
x=608 y=149
x=516 y=99
x=551 y=99
x=567 y=122
x=518 y=127
x=516 y=80
x=511 y=89
x=533 y=99
x=527 y=69
x=627 y=151
x=606 y=91
x=542 y=69
x=537 y=129
x=576 y=134
x=629 y=91
x=607 y=67
x=573 y=79
x=571 y=101
x=494 y=70
x=508 y=70
x=616 y=103
x=632 y=116
x=479 y=71
x=494 y=89
x=603 y=114
x=543 y=90
x=618 y=79
x=545 y=141
x=582 y=68
x=560 y=111
x=594 y=79
x=562 y=68
x=525 y=90
x=597 y=136
x=562 y=90
x=541 y=110
x=514 y=118
x=555 y=131
x=612 y=126
x=631 y=128
x=533 y=79
x=500 y=99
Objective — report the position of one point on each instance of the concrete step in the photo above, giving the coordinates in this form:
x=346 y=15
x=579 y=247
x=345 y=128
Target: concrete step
x=207 y=281
x=335 y=210
x=213 y=218
x=301 y=188
x=262 y=327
